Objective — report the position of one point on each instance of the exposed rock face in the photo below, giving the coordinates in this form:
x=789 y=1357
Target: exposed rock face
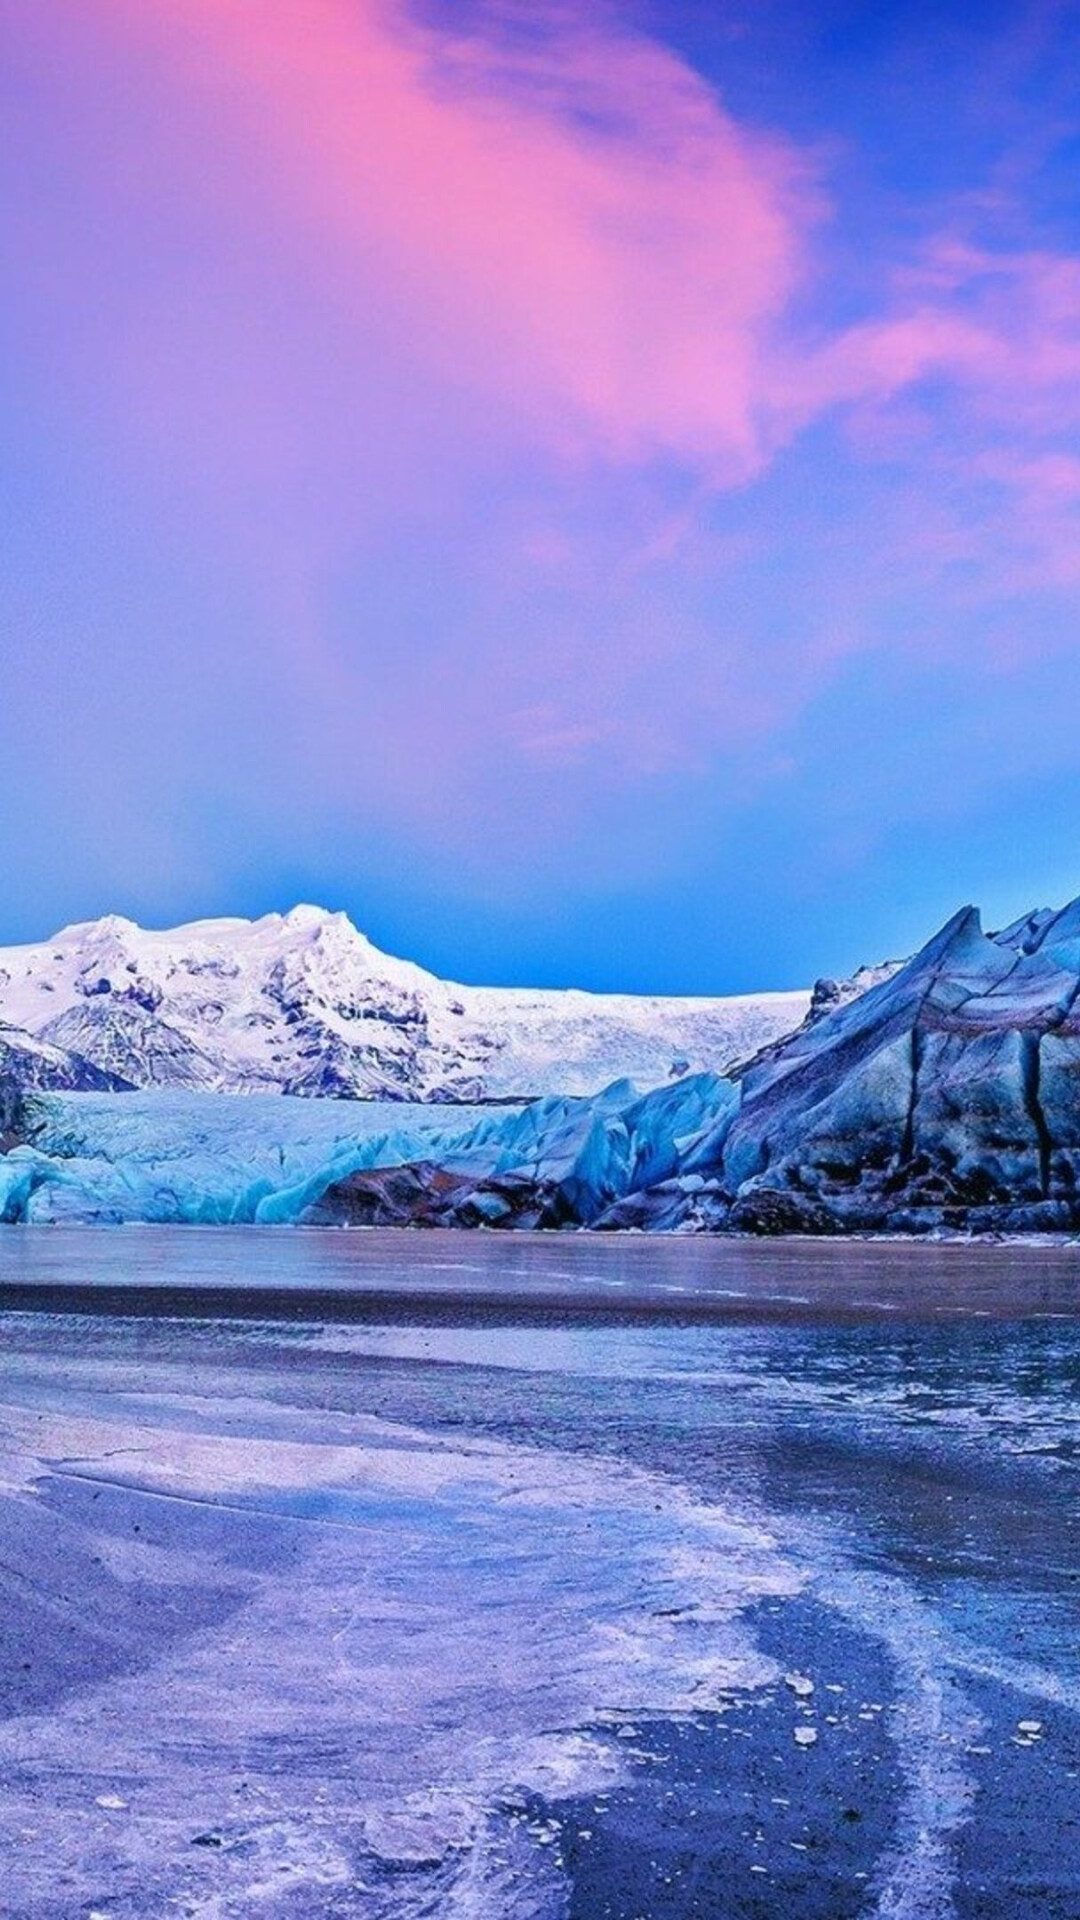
x=772 y=1211
x=425 y=1195
x=29 y=1062
x=387 y=1197
x=828 y=996
x=11 y=1112
x=128 y=1044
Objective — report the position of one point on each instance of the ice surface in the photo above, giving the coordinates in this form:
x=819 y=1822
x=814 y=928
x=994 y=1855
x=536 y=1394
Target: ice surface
x=330 y=1732
x=292 y=1633
x=208 y=1158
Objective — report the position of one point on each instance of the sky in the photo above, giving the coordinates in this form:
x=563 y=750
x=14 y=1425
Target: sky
x=590 y=487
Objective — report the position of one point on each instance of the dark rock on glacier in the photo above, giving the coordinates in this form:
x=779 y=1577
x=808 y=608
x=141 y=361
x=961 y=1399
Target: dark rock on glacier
x=774 y=1210
x=386 y=1197
x=11 y=1112
x=423 y=1194
x=828 y=995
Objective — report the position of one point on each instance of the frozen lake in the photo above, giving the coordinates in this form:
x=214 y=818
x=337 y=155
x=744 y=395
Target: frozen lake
x=607 y=1579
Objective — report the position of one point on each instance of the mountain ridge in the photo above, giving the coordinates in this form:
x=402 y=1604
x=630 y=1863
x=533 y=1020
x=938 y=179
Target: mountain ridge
x=304 y=1003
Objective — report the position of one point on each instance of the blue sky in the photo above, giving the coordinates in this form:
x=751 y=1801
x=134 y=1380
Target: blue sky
x=594 y=492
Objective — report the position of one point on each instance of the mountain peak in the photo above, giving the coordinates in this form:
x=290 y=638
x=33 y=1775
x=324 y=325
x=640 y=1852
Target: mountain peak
x=82 y=931
x=304 y=914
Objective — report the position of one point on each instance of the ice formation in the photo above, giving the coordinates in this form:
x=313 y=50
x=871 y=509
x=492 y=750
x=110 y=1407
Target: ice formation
x=946 y=1095
x=204 y=1158
x=207 y=1158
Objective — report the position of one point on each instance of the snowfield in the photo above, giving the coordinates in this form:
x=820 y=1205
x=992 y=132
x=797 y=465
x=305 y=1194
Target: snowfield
x=302 y=1003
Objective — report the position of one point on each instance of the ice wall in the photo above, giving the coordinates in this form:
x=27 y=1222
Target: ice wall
x=208 y=1158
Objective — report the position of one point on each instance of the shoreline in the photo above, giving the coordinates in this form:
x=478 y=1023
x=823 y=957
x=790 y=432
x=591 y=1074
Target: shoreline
x=361 y=1275
x=935 y=1237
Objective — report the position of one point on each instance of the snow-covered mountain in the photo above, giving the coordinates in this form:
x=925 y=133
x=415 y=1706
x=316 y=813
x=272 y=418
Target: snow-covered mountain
x=302 y=1003
x=28 y=1063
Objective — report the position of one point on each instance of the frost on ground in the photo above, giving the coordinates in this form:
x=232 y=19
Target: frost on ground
x=517 y=1621
x=276 y=1658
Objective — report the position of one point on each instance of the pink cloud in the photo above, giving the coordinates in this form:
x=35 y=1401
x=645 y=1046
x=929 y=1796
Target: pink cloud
x=1000 y=330
x=556 y=237
x=967 y=382
x=567 y=222
x=415 y=288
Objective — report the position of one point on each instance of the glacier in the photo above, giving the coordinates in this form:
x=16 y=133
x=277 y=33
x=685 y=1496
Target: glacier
x=945 y=1096
x=942 y=1094
x=206 y=1159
